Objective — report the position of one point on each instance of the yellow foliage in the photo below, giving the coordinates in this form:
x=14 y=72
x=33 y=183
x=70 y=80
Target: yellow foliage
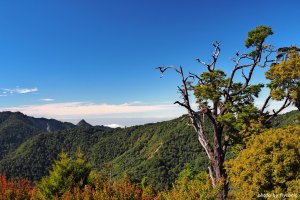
x=251 y=129
x=187 y=187
x=270 y=164
x=285 y=77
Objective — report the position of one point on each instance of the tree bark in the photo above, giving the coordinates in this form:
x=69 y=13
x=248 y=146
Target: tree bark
x=217 y=171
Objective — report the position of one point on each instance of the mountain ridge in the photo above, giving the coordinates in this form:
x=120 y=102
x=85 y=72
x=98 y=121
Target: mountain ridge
x=16 y=128
x=158 y=151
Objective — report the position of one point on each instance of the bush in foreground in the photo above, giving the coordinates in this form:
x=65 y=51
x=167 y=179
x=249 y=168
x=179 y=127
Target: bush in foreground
x=269 y=164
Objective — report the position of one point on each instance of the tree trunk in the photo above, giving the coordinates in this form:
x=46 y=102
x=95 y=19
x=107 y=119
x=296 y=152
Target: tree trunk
x=215 y=153
x=218 y=176
x=217 y=171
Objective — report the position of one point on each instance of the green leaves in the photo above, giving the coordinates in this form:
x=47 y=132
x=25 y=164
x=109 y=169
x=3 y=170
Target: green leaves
x=212 y=86
x=285 y=77
x=66 y=174
x=192 y=185
x=257 y=37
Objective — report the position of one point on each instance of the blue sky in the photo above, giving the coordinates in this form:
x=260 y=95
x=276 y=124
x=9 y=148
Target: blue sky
x=98 y=57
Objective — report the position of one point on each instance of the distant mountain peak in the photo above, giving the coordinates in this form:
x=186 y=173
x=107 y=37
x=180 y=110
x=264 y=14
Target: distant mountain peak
x=83 y=123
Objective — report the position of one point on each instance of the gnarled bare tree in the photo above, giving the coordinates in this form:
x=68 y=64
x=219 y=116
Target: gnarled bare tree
x=230 y=104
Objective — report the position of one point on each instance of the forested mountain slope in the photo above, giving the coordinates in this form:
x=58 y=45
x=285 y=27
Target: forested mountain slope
x=16 y=128
x=157 y=152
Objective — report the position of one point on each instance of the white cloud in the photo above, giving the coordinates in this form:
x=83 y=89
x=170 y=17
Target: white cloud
x=69 y=110
x=273 y=105
x=47 y=99
x=114 y=126
x=113 y=114
x=123 y=121
x=136 y=102
x=19 y=90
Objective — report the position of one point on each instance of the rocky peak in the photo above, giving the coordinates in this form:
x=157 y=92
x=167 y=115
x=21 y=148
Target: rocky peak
x=83 y=123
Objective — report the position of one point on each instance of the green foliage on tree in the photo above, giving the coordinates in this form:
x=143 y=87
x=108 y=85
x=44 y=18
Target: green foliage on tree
x=34 y=157
x=67 y=173
x=257 y=36
x=284 y=76
x=288 y=119
x=192 y=185
x=157 y=151
x=269 y=164
x=16 y=128
x=228 y=100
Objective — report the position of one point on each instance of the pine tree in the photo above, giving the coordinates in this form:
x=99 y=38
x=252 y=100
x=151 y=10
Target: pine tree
x=66 y=173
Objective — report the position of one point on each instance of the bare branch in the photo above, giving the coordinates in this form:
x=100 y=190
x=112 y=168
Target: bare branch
x=205 y=64
x=215 y=55
x=255 y=62
x=248 y=78
x=162 y=69
x=250 y=73
x=244 y=76
x=194 y=116
x=270 y=51
x=235 y=69
x=181 y=104
x=265 y=104
x=286 y=103
x=195 y=76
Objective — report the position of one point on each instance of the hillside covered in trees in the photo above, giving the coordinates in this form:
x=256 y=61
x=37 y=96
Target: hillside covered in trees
x=155 y=153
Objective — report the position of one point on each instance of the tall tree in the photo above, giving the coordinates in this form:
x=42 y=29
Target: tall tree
x=66 y=174
x=228 y=101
